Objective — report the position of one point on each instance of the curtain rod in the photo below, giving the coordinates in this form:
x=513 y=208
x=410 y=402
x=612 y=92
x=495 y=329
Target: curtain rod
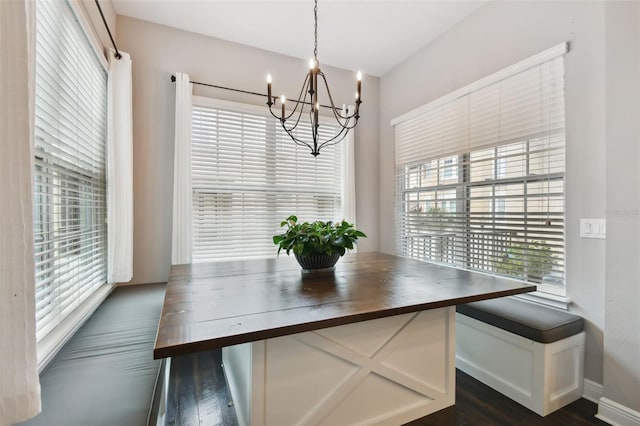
x=118 y=55
x=173 y=79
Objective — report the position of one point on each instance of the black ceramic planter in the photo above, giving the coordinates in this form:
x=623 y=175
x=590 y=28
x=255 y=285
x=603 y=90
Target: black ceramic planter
x=317 y=260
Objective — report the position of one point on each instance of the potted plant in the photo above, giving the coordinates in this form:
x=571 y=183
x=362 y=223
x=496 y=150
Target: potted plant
x=318 y=244
x=531 y=261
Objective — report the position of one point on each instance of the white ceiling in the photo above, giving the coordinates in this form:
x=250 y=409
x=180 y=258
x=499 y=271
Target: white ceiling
x=372 y=36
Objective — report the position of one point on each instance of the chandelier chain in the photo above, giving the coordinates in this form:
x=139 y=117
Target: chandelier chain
x=315 y=18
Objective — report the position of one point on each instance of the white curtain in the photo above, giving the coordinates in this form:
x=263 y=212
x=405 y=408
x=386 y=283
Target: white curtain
x=19 y=383
x=348 y=177
x=182 y=221
x=119 y=170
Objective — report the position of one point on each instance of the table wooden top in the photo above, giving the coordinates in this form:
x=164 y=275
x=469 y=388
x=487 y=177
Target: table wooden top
x=211 y=305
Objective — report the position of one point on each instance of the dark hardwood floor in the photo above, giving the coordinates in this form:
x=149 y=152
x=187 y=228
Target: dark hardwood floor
x=478 y=404
x=198 y=392
x=199 y=396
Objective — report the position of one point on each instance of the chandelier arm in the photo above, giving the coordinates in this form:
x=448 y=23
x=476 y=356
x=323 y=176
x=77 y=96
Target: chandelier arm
x=330 y=143
x=346 y=120
x=279 y=117
x=291 y=115
x=295 y=125
x=352 y=115
x=339 y=115
x=326 y=85
x=300 y=142
x=274 y=115
x=296 y=140
x=349 y=127
x=338 y=137
x=334 y=140
x=314 y=129
x=336 y=114
x=300 y=101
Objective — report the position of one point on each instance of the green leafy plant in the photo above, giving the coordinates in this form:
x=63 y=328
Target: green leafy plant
x=437 y=219
x=531 y=260
x=434 y=220
x=316 y=237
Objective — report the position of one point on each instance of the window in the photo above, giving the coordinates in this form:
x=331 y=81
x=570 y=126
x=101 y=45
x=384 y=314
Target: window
x=248 y=176
x=69 y=170
x=496 y=202
x=449 y=169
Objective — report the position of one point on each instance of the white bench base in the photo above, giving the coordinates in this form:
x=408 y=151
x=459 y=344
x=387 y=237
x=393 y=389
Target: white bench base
x=542 y=377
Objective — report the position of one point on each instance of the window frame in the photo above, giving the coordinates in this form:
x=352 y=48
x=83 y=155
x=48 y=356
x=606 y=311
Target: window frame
x=272 y=132
x=411 y=198
x=449 y=104
x=49 y=343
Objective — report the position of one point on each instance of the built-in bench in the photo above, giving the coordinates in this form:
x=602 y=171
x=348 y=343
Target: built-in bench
x=105 y=374
x=530 y=353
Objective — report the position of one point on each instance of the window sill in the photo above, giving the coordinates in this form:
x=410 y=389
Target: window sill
x=546 y=299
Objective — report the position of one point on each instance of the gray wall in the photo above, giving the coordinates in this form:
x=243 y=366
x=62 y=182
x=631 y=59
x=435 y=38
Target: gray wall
x=158 y=51
x=498 y=35
x=622 y=314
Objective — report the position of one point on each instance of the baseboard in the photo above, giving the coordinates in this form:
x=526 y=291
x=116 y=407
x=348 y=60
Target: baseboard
x=592 y=391
x=617 y=414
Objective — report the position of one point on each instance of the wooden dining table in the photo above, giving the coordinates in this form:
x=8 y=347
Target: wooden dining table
x=371 y=341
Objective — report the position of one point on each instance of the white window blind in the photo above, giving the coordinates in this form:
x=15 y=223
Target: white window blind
x=248 y=176
x=69 y=170
x=480 y=176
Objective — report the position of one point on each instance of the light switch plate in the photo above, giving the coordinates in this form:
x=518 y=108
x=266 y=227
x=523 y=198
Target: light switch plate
x=593 y=228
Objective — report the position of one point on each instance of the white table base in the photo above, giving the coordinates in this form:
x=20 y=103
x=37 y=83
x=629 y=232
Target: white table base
x=386 y=371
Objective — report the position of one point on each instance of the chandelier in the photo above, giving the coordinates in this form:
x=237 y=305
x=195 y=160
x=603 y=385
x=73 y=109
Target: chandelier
x=307 y=103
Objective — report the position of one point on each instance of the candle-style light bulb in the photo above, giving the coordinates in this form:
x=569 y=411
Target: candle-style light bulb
x=358 y=85
x=312 y=77
x=269 y=90
x=359 y=76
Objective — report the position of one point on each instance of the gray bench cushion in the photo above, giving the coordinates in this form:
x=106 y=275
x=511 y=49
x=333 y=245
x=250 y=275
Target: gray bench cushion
x=539 y=323
x=105 y=374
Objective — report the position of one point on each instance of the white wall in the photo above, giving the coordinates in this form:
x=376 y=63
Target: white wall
x=622 y=313
x=158 y=51
x=498 y=35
